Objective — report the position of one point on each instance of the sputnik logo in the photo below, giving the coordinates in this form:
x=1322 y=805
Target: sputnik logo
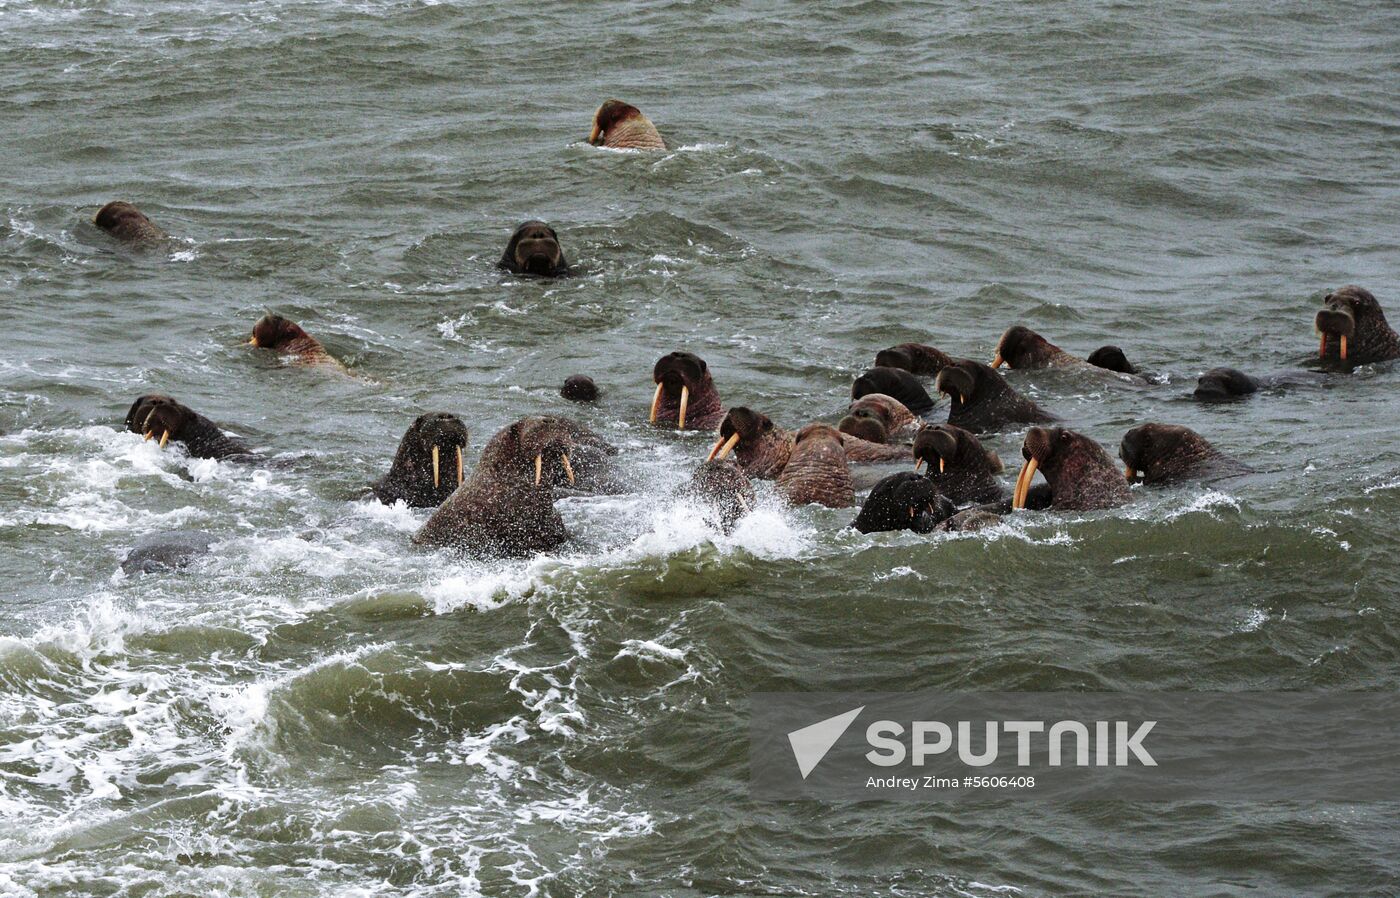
x=811 y=743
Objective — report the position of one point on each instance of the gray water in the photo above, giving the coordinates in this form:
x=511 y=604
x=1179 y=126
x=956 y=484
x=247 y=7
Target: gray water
x=319 y=709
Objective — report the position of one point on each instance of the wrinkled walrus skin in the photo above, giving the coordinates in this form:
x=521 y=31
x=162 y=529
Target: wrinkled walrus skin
x=621 y=126
x=817 y=472
x=958 y=464
x=1080 y=474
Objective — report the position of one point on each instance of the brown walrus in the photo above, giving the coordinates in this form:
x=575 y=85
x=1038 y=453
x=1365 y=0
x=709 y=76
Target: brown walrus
x=1353 y=330
x=725 y=488
x=685 y=393
x=916 y=358
x=286 y=337
x=816 y=471
x=128 y=224
x=903 y=501
x=1080 y=474
x=416 y=477
x=621 y=126
x=505 y=508
x=579 y=388
x=982 y=400
x=763 y=449
x=1022 y=348
x=534 y=250
x=958 y=464
x=155 y=416
x=1112 y=358
x=1170 y=453
x=897 y=421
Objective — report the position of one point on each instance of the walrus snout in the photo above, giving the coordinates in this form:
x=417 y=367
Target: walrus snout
x=1336 y=325
x=125 y=222
x=677 y=376
x=534 y=249
x=1220 y=384
x=957 y=383
x=157 y=416
x=442 y=436
x=864 y=424
x=935 y=444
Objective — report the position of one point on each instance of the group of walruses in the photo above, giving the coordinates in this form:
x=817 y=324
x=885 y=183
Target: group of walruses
x=504 y=506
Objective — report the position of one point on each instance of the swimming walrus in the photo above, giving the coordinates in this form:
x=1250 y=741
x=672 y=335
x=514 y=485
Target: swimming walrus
x=817 y=471
x=958 y=465
x=1221 y=384
x=1170 y=453
x=685 y=393
x=285 y=337
x=982 y=400
x=621 y=126
x=428 y=464
x=169 y=550
x=1022 y=348
x=916 y=358
x=579 y=388
x=155 y=416
x=898 y=421
x=534 y=250
x=895 y=382
x=128 y=224
x=724 y=488
x=1113 y=359
x=762 y=449
x=903 y=501
x=505 y=509
x=1080 y=474
x=1353 y=330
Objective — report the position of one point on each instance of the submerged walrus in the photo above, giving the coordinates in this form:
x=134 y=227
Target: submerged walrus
x=285 y=337
x=982 y=400
x=1353 y=330
x=1222 y=384
x=685 y=393
x=763 y=449
x=1113 y=359
x=579 y=388
x=958 y=465
x=155 y=416
x=816 y=471
x=903 y=501
x=1022 y=348
x=505 y=508
x=1080 y=474
x=916 y=358
x=1170 y=453
x=416 y=477
x=169 y=550
x=621 y=126
x=534 y=250
x=897 y=421
x=128 y=224
x=894 y=382
x=725 y=488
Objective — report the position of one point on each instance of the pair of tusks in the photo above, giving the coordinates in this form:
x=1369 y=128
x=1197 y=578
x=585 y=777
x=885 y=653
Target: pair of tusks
x=942 y=464
x=165 y=437
x=1322 y=350
x=1023 y=483
x=539 y=467
x=436 y=478
x=685 y=400
x=998 y=361
x=723 y=447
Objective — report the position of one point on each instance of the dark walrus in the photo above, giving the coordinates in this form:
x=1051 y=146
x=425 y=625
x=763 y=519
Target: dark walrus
x=982 y=400
x=169 y=550
x=416 y=477
x=958 y=464
x=1170 y=453
x=1353 y=330
x=1222 y=384
x=534 y=250
x=894 y=382
x=916 y=358
x=621 y=126
x=763 y=449
x=579 y=388
x=685 y=393
x=1080 y=474
x=161 y=417
x=128 y=224
x=1021 y=348
x=725 y=488
x=903 y=501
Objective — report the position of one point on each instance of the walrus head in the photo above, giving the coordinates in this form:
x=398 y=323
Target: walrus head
x=430 y=453
x=982 y=400
x=536 y=450
x=915 y=358
x=817 y=471
x=274 y=332
x=949 y=446
x=759 y=447
x=684 y=391
x=866 y=424
x=125 y=222
x=534 y=249
x=609 y=115
x=895 y=382
x=891 y=413
x=1220 y=384
x=155 y=415
x=1163 y=453
x=1021 y=347
x=1353 y=329
x=1111 y=358
x=903 y=501
x=1080 y=473
x=579 y=388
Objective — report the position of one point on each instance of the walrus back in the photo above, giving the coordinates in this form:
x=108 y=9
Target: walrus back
x=635 y=133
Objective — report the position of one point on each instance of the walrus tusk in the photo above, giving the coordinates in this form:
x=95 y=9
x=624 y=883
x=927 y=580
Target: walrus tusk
x=568 y=469
x=1023 y=483
x=911 y=514
x=1129 y=473
x=655 y=401
x=743 y=503
x=941 y=465
x=539 y=469
x=164 y=438
x=998 y=361
x=720 y=451
x=147 y=437
x=594 y=133
x=253 y=341
x=1344 y=347
x=436 y=479
x=685 y=400
x=918 y=464
x=459 y=465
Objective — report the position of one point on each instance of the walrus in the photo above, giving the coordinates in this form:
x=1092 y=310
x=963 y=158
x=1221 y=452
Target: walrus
x=579 y=388
x=1222 y=384
x=621 y=126
x=816 y=471
x=916 y=358
x=970 y=520
x=724 y=487
x=685 y=393
x=168 y=550
x=894 y=382
x=286 y=337
x=1112 y=358
x=534 y=250
x=128 y=224
x=1080 y=474
x=982 y=400
x=155 y=416
x=762 y=449
x=505 y=509
x=416 y=477
x=1170 y=453
x=1353 y=330
x=864 y=424
x=898 y=421
x=958 y=465
x=903 y=501
x=1022 y=348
